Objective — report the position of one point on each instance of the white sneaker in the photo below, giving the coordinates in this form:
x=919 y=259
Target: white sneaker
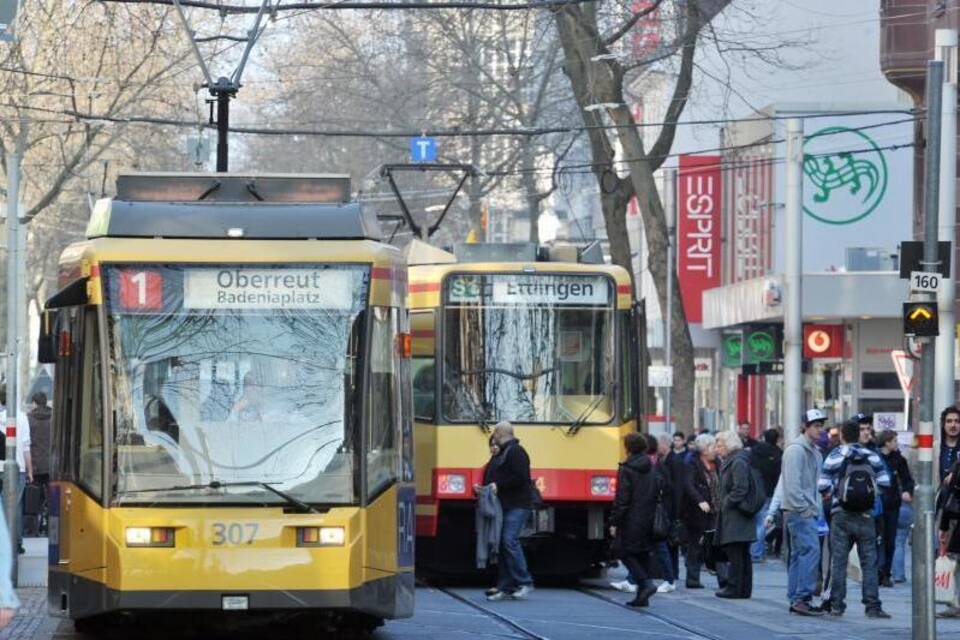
x=522 y=592
x=624 y=586
x=666 y=587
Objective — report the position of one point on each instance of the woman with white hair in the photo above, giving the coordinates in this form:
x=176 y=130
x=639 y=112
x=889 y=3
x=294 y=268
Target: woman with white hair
x=699 y=505
x=736 y=530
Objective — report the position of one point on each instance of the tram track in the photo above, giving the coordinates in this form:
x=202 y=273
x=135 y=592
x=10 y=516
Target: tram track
x=506 y=621
x=698 y=633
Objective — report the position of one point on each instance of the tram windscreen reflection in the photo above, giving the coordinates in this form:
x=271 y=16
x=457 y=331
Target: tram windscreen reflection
x=234 y=375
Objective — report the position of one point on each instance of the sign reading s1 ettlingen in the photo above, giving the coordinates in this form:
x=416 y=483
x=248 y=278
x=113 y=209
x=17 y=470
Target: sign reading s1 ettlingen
x=548 y=289
x=243 y=288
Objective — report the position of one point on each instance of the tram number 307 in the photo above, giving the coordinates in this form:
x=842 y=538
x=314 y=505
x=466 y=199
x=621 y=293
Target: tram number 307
x=234 y=533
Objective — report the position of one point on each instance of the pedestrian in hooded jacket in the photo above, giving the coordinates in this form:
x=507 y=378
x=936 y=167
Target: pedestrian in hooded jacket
x=631 y=519
x=736 y=529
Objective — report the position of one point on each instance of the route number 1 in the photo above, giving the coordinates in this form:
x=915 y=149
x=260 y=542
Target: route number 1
x=141 y=289
x=924 y=281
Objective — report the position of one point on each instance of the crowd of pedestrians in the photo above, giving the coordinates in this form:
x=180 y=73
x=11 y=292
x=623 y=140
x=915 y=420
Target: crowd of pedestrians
x=725 y=501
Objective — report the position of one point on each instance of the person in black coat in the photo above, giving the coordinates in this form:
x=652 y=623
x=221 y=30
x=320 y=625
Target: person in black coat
x=631 y=519
x=735 y=529
x=899 y=491
x=699 y=506
x=950 y=530
x=767 y=458
x=510 y=476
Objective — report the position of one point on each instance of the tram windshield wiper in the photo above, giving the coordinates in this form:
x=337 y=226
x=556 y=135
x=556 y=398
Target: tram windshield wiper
x=585 y=415
x=302 y=507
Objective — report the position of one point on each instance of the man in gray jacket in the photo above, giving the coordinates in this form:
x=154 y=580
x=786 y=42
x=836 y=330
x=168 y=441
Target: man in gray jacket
x=801 y=505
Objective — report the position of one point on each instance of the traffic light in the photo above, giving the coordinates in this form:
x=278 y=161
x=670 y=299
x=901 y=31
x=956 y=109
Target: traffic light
x=920 y=319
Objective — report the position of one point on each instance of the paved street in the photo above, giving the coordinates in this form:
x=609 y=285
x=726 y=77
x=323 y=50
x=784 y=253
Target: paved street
x=570 y=614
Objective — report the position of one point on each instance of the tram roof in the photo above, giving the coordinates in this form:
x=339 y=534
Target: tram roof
x=248 y=207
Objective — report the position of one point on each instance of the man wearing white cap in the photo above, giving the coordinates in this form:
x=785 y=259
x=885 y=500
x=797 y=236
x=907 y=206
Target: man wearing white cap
x=801 y=506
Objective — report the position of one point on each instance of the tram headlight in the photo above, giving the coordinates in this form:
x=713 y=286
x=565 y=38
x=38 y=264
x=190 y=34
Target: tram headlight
x=149 y=536
x=321 y=536
x=451 y=483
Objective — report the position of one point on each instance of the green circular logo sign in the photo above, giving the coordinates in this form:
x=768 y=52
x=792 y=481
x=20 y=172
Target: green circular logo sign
x=846 y=175
x=761 y=345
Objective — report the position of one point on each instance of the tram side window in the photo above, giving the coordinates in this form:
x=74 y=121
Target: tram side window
x=626 y=365
x=68 y=386
x=91 y=422
x=424 y=366
x=383 y=400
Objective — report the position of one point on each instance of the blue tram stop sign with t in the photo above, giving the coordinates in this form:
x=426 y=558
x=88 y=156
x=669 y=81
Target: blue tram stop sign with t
x=423 y=149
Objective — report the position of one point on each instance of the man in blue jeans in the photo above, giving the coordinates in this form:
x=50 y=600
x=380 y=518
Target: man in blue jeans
x=801 y=506
x=511 y=482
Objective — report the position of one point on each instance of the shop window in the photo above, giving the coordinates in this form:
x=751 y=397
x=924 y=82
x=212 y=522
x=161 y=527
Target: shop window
x=879 y=381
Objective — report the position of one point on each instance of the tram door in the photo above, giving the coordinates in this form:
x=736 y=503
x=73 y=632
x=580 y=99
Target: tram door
x=77 y=518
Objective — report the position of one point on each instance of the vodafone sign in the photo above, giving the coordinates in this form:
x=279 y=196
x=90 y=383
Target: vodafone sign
x=823 y=341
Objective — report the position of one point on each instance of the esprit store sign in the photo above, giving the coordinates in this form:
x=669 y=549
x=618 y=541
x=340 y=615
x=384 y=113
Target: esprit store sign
x=698 y=230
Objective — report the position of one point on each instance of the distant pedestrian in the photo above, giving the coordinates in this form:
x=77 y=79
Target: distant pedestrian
x=899 y=492
x=661 y=552
x=699 y=507
x=949 y=533
x=743 y=430
x=9 y=603
x=39 y=419
x=767 y=458
x=801 y=507
x=631 y=519
x=676 y=469
x=513 y=486
x=949 y=440
x=904 y=528
x=853 y=475
x=736 y=530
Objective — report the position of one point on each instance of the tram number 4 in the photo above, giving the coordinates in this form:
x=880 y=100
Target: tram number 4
x=234 y=533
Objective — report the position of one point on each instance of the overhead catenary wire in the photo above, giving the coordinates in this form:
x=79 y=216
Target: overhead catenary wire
x=447 y=133
x=373 y=4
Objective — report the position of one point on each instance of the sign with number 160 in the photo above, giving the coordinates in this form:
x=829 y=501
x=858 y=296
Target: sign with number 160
x=925 y=281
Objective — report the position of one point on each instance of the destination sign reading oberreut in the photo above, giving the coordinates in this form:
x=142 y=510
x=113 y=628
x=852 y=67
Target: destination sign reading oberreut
x=241 y=288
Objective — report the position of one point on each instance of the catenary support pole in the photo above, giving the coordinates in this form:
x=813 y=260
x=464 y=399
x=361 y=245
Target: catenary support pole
x=924 y=622
x=793 y=281
x=670 y=213
x=946 y=51
x=11 y=472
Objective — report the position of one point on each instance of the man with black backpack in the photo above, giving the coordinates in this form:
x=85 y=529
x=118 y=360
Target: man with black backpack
x=852 y=476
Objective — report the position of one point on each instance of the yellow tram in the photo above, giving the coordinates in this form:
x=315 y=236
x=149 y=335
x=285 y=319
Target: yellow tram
x=547 y=339
x=232 y=426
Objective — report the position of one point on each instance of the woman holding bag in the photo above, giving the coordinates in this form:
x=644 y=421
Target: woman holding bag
x=632 y=517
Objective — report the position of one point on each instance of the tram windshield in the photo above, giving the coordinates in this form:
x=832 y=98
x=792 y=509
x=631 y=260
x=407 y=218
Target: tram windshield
x=529 y=348
x=232 y=376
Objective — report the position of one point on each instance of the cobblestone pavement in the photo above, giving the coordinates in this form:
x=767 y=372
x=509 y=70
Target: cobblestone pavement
x=592 y=611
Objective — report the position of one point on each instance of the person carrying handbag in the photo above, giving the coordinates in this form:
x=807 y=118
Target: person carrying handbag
x=949 y=534
x=633 y=515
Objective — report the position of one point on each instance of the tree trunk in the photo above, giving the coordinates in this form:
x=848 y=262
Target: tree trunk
x=603 y=83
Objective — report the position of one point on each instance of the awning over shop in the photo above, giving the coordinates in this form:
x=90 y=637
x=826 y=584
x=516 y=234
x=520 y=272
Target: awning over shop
x=874 y=294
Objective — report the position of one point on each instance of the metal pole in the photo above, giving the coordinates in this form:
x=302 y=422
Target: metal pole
x=670 y=214
x=11 y=472
x=946 y=51
x=924 y=622
x=223 y=93
x=793 y=281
